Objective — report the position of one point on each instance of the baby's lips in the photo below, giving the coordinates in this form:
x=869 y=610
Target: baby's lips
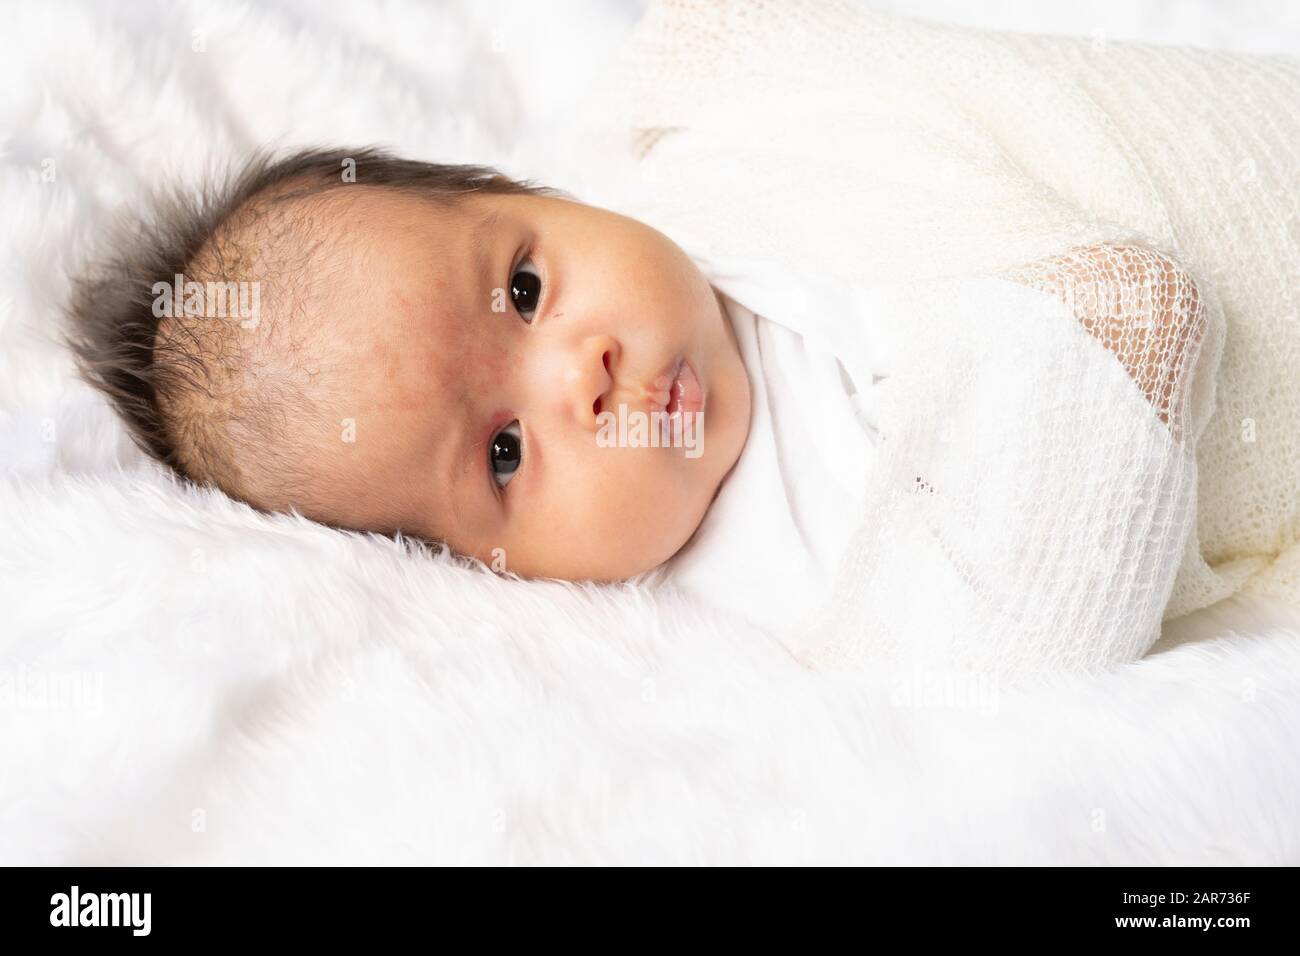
x=664 y=383
x=660 y=391
x=687 y=392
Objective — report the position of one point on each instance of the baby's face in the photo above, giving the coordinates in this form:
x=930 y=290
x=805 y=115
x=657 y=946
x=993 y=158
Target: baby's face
x=479 y=348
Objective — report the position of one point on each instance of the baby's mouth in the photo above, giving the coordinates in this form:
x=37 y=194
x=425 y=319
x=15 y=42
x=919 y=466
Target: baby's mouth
x=687 y=392
x=678 y=389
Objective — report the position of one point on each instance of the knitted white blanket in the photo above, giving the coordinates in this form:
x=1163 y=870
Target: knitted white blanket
x=1059 y=472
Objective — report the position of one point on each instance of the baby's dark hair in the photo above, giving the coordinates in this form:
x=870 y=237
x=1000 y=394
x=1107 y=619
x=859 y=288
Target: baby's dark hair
x=173 y=392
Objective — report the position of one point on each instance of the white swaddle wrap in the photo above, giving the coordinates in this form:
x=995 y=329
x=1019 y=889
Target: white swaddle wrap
x=1060 y=519
x=771 y=544
x=816 y=350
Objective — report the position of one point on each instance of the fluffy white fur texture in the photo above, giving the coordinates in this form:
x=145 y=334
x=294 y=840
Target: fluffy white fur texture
x=183 y=680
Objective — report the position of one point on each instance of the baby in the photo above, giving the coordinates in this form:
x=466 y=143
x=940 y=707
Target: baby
x=959 y=400
x=396 y=346
x=555 y=389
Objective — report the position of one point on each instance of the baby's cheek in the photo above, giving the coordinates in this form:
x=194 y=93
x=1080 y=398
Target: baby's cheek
x=654 y=505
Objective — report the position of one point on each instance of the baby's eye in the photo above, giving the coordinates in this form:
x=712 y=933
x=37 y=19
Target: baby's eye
x=506 y=454
x=525 y=290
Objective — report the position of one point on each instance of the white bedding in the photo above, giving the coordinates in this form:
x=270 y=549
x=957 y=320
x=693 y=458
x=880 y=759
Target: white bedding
x=184 y=681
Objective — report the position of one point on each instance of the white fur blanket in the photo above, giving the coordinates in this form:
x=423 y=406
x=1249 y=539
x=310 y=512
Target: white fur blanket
x=185 y=681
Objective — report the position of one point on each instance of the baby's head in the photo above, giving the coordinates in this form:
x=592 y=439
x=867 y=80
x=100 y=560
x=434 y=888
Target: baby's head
x=394 y=346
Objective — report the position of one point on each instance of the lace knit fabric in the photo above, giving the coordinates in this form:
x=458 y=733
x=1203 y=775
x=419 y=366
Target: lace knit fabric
x=1111 y=435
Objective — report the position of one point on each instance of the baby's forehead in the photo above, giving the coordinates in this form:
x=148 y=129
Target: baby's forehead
x=371 y=236
x=385 y=255
x=391 y=295
x=392 y=291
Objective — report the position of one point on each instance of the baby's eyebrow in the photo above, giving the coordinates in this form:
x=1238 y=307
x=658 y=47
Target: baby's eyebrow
x=462 y=441
x=480 y=248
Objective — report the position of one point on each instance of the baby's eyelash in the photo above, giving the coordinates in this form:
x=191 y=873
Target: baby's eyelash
x=529 y=257
x=509 y=441
x=480 y=454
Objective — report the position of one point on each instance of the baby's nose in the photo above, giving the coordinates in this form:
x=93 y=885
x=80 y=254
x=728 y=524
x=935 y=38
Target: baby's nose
x=590 y=378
